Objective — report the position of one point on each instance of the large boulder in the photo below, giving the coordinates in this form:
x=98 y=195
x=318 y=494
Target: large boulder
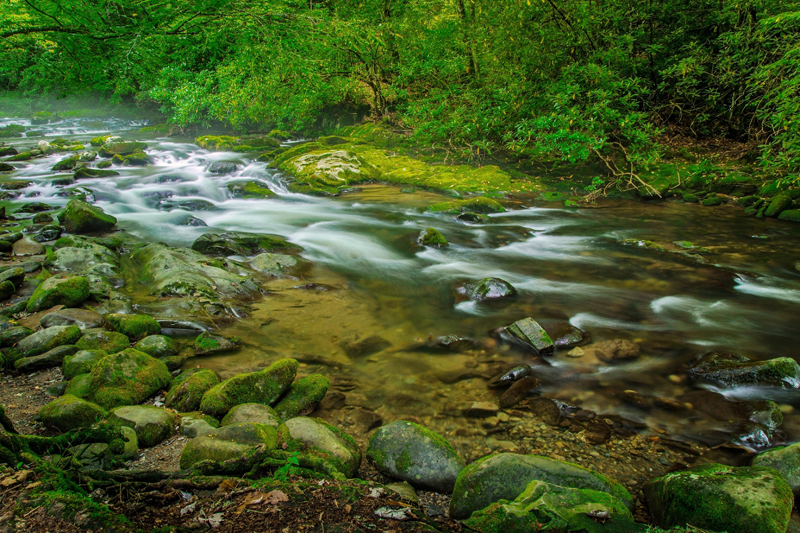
x=134 y=326
x=252 y=412
x=157 y=346
x=240 y=243
x=731 y=370
x=229 y=442
x=68 y=412
x=127 y=378
x=409 y=452
x=721 y=498
x=529 y=333
x=81 y=363
x=27 y=246
x=263 y=387
x=69 y=291
x=100 y=339
x=303 y=396
x=116 y=146
x=188 y=389
x=45 y=340
x=151 y=424
x=333 y=444
x=505 y=476
x=80 y=217
x=784 y=459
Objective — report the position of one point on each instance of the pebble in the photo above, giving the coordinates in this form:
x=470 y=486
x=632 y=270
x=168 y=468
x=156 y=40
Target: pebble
x=576 y=352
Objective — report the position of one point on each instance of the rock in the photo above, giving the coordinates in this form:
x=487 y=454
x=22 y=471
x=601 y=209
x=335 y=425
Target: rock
x=137 y=159
x=405 y=491
x=48 y=359
x=616 y=351
x=563 y=333
x=505 y=476
x=81 y=362
x=365 y=420
x=330 y=442
x=206 y=343
x=252 y=412
x=118 y=147
x=107 y=341
x=68 y=412
x=134 y=326
x=433 y=238
x=779 y=204
x=253 y=189
x=27 y=246
x=80 y=217
x=303 y=396
x=83 y=318
x=151 y=424
x=730 y=370
x=532 y=335
x=127 y=378
x=784 y=459
x=481 y=410
x=186 y=205
x=88 y=157
x=721 y=498
x=195 y=427
x=489 y=289
x=46 y=339
x=279 y=265
x=229 y=442
x=79 y=386
x=240 y=243
x=69 y=291
x=7 y=290
x=546 y=409
x=365 y=347
x=518 y=392
x=189 y=387
x=66 y=164
x=264 y=387
x=409 y=452
x=509 y=377
x=559 y=509
x=86 y=172
x=15 y=275
x=13 y=335
x=223 y=167
x=48 y=233
x=631 y=397
x=157 y=346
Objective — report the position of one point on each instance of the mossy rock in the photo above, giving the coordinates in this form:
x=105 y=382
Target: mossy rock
x=778 y=205
x=188 y=389
x=784 y=459
x=432 y=237
x=80 y=217
x=721 y=498
x=134 y=326
x=263 y=387
x=61 y=289
x=505 y=476
x=122 y=148
x=480 y=205
x=221 y=143
x=80 y=386
x=528 y=332
x=409 y=452
x=252 y=412
x=157 y=346
x=732 y=371
x=127 y=378
x=7 y=290
x=106 y=341
x=68 y=412
x=46 y=339
x=15 y=275
x=206 y=343
x=151 y=424
x=248 y=190
x=66 y=164
x=229 y=442
x=81 y=363
x=240 y=243
x=49 y=359
x=91 y=173
x=303 y=396
x=137 y=159
x=279 y=265
x=329 y=442
x=712 y=201
x=13 y=335
x=791 y=215
x=489 y=289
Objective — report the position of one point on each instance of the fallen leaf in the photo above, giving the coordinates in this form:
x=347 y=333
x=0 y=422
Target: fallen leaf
x=276 y=497
x=395 y=514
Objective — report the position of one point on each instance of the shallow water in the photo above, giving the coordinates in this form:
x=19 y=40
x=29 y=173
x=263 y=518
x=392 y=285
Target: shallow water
x=567 y=264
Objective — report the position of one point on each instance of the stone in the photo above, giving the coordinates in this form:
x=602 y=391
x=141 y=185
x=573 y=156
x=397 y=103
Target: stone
x=564 y=334
x=27 y=246
x=107 y=341
x=433 y=238
x=68 y=412
x=69 y=291
x=195 y=427
x=206 y=343
x=151 y=424
x=157 y=346
x=127 y=378
x=279 y=265
x=7 y=290
x=66 y=164
x=331 y=443
x=784 y=459
x=518 y=392
x=303 y=396
x=616 y=351
x=240 y=243
x=721 y=498
x=528 y=332
x=49 y=359
x=251 y=189
x=631 y=397
x=504 y=476
x=405 y=491
x=15 y=275
x=79 y=386
x=83 y=318
x=263 y=387
x=223 y=167
x=409 y=452
x=481 y=410
x=365 y=347
x=489 y=289
x=188 y=389
x=779 y=204
x=45 y=340
x=81 y=362
x=229 y=442
x=134 y=327
x=92 y=173
x=252 y=412
x=80 y=217
x=13 y=335
x=119 y=147
x=730 y=370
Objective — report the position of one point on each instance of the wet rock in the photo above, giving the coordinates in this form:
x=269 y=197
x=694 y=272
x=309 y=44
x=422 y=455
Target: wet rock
x=488 y=289
x=49 y=359
x=66 y=164
x=668 y=405
x=151 y=424
x=26 y=247
x=561 y=508
x=303 y=397
x=545 y=409
x=83 y=318
x=481 y=410
x=333 y=400
x=596 y=432
x=206 y=343
x=48 y=233
x=68 y=412
x=127 y=378
x=91 y=173
x=13 y=335
x=278 y=265
x=433 y=238
x=509 y=377
x=409 y=452
x=229 y=442
x=723 y=498
x=46 y=339
x=157 y=346
x=730 y=370
x=134 y=326
x=223 y=167
x=366 y=347
x=15 y=275
x=252 y=412
x=88 y=157
x=532 y=335
x=518 y=392
x=240 y=243
x=331 y=443
x=779 y=204
x=137 y=159
x=616 y=351
x=253 y=189
x=69 y=291
x=107 y=341
x=564 y=334
x=263 y=387
x=631 y=397
x=505 y=476
x=80 y=217
x=188 y=389
x=784 y=459
x=81 y=362
x=194 y=222
x=7 y=290
x=472 y=217
x=118 y=147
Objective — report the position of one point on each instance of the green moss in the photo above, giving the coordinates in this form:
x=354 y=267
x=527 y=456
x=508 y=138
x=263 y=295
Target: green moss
x=302 y=396
x=206 y=343
x=792 y=215
x=432 y=237
x=480 y=204
x=69 y=412
x=281 y=135
x=162 y=129
x=263 y=387
x=80 y=386
x=712 y=201
x=81 y=363
x=134 y=327
x=70 y=291
x=107 y=341
x=250 y=190
x=188 y=388
x=80 y=217
x=127 y=378
x=779 y=204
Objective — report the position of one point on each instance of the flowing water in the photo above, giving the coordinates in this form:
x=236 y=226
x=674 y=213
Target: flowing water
x=372 y=279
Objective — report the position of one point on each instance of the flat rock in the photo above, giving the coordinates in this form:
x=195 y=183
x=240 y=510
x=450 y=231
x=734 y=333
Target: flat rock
x=83 y=318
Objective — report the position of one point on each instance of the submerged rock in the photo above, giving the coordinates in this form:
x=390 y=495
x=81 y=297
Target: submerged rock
x=187 y=390
x=151 y=424
x=240 y=243
x=224 y=167
x=253 y=189
x=532 y=335
x=333 y=444
x=68 y=412
x=518 y=391
x=277 y=265
x=91 y=173
x=731 y=370
x=365 y=347
x=616 y=351
x=127 y=378
x=488 y=289
x=263 y=387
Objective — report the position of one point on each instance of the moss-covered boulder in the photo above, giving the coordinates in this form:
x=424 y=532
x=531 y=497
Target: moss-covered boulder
x=303 y=396
x=505 y=476
x=784 y=459
x=80 y=386
x=80 y=217
x=409 y=452
x=134 y=326
x=529 y=333
x=252 y=412
x=432 y=237
x=66 y=164
x=229 y=442
x=49 y=359
x=127 y=378
x=81 y=362
x=91 y=173
x=151 y=424
x=114 y=147
x=157 y=346
x=731 y=370
x=7 y=290
x=326 y=172
x=488 y=289
x=481 y=205
x=68 y=412
x=195 y=425
x=331 y=443
x=206 y=343
x=279 y=265
x=13 y=335
x=46 y=339
x=69 y=291
x=546 y=507
x=252 y=189
x=188 y=389
x=240 y=243
x=137 y=159
x=15 y=275
x=790 y=215
x=721 y=498
x=106 y=341
x=83 y=318
x=263 y=387
x=778 y=205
